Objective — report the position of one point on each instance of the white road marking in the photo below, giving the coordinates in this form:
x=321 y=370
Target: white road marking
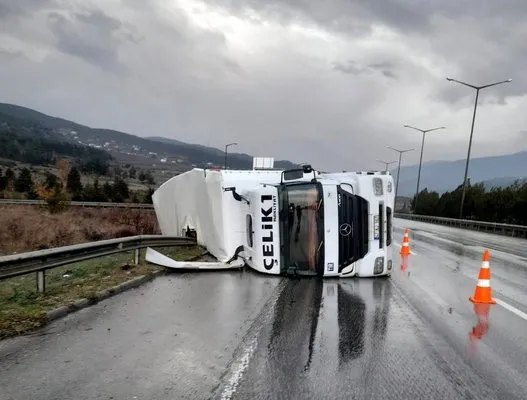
x=512 y=309
x=239 y=371
x=505 y=305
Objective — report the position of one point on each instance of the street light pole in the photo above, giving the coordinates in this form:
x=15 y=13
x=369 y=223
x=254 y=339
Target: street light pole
x=399 y=167
x=226 y=147
x=477 y=88
x=387 y=163
x=424 y=132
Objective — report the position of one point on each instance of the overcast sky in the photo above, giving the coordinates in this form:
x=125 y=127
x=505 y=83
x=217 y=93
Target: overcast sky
x=329 y=82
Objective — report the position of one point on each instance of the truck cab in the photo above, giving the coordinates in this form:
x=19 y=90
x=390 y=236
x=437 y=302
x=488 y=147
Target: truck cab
x=325 y=224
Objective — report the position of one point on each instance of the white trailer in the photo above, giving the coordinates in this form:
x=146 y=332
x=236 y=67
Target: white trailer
x=298 y=221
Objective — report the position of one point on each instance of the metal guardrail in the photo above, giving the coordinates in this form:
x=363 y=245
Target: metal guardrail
x=41 y=260
x=78 y=204
x=519 y=231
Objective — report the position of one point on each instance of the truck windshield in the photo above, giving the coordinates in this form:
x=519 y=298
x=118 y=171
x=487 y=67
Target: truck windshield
x=301 y=228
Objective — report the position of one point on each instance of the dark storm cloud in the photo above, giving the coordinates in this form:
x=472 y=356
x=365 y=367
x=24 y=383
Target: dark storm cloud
x=10 y=54
x=350 y=67
x=353 y=68
x=91 y=36
x=486 y=40
x=17 y=8
x=408 y=15
x=278 y=76
x=100 y=20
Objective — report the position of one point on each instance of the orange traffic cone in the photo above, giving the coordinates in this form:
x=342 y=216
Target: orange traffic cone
x=482 y=294
x=405 y=248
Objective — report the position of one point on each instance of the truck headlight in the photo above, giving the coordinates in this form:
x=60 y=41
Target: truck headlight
x=389 y=187
x=389 y=265
x=379 y=265
x=377 y=186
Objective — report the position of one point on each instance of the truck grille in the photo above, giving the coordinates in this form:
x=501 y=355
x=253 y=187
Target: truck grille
x=353 y=210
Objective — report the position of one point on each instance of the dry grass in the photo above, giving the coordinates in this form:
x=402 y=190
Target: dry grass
x=28 y=228
x=22 y=309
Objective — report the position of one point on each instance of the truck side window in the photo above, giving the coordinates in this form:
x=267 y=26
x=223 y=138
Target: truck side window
x=249 y=227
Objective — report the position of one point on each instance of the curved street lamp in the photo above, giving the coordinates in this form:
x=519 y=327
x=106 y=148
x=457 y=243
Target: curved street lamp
x=424 y=132
x=386 y=163
x=477 y=88
x=226 y=147
x=398 y=168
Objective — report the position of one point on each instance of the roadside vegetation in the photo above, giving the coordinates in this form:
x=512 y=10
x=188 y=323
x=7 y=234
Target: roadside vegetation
x=28 y=228
x=501 y=205
x=70 y=182
x=23 y=309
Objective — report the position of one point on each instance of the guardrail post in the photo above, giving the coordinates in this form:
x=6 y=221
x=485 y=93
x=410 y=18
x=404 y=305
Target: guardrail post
x=41 y=281
x=137 y=256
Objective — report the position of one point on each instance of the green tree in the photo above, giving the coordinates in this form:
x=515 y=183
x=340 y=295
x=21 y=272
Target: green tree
x=51 y=180
x=74 y=184
x=134 y=198
x=499 y=204
x=149 y=178
x=3 y=181
x=427 y=203
x=9 y=176
x=107 y=191
x=142 y=176
x=94 y=192
x=474 y=198
x=448 y=205
x=148 y=196
x=58 y=201
x=120 y=191
x=24 y=183
x=32 y=194
x=94 y=165
x=117 y=171
x=132 y=172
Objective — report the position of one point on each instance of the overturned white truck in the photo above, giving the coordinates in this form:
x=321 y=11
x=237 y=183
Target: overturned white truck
x=299 y=221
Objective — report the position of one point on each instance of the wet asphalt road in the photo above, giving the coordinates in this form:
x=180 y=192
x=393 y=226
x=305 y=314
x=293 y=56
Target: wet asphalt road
x=509 y=245
x=168 y=339
x=248 y=336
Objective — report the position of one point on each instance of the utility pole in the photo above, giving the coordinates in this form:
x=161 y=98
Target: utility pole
x=477 y=88
x=399 y=167
x=424 y=132
x=226 y=147
x=387 y=163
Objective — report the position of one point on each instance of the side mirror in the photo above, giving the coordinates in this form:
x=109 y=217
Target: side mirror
x=307 y=168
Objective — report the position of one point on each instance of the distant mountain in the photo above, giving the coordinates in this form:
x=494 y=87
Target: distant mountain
x=32 y=143
x=159 y=149
x=442 y=176
x=219 y=153
x=502 y=182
